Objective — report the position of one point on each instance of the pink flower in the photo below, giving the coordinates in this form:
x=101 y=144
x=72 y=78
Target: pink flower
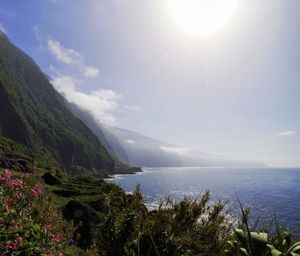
x=54 y=237
x=13 y=227
x=16 y=242
x=47 y=227
x=18 y=238
x=36 y=191
x=15 y=183
x=60 y=254
x=6 y=173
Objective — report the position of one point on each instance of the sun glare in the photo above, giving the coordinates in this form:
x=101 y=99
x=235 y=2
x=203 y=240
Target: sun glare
x=201 y=17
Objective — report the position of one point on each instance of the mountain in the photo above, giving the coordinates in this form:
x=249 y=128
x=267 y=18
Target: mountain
x=33 y=114
x=138 y=150
x=149 y=152
x=145 y=151
x=111 y=143
x=142 y=150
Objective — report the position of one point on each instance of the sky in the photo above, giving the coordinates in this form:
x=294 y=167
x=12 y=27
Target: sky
x=137 y=64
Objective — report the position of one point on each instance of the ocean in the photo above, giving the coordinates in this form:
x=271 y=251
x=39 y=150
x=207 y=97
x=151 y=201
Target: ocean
x=268 y=192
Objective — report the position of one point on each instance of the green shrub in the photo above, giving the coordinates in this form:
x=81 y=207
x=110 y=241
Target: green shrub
x=29 y=222
x=188 y=227
x=245 y=242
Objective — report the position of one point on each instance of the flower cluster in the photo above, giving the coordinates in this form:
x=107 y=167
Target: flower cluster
x=19 y=233
x=36 y=191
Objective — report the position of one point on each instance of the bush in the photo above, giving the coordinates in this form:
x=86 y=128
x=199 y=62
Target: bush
x=247 y=242
x=20 y=233
x=188 y=227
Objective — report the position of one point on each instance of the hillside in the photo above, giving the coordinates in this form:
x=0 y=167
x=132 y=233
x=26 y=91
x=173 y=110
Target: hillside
x=139 y=150
x=112 y=144
x=33 y=114
x=143 y=151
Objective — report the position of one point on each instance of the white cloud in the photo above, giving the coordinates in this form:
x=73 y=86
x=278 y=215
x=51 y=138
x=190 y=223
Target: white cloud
x=286 y=133
x=91 y=72
x=37 y=33
x=176 y=150
x=99 y=103
x=54 y=72
x=129 y=141
x=132 y=108
x=67 y=56
x=2 y=28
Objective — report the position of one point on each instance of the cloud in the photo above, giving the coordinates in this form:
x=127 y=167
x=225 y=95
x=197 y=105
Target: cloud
x=2 y=28
x=37 y=33
x=99 y=103
x=132 y=108
x=286 y=133
x=91 y=72
x=129 y=141
x=67 y=56
x=176 y=150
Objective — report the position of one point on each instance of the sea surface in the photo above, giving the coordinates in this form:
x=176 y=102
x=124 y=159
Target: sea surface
x=267 y=191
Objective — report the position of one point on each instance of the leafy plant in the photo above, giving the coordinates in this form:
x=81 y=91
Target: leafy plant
x=249 y=243
x=20 y=234
x=188 y=227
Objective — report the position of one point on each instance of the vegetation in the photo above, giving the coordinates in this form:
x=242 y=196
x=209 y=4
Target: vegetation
x=27 y=212
x=57 y=214
x=183 y=228
x=115 y=223
x=85 y=214
x=245 y=242
x=34 y=114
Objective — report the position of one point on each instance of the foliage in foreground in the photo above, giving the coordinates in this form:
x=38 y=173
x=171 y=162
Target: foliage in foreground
x=245 y=242
x=189 y=227
x=259 y=244
x=29 y=223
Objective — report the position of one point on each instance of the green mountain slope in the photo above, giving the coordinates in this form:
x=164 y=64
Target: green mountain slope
x=111 y=144
x=33 y=113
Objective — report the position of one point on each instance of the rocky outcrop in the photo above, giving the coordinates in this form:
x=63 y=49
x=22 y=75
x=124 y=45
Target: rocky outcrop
x=84 y=218
x=50 y=179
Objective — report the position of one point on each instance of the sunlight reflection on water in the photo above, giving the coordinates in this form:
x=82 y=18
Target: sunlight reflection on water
x=267 y=191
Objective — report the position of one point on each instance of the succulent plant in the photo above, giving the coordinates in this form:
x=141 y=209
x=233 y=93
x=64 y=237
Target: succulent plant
x=257 y=244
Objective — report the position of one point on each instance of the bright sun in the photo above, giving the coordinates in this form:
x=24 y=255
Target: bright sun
x=201 y=17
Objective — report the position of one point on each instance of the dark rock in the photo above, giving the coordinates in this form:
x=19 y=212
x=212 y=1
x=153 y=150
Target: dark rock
x=50 y=179
x=99 y=205
x=84 y=218
x=126 y=170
